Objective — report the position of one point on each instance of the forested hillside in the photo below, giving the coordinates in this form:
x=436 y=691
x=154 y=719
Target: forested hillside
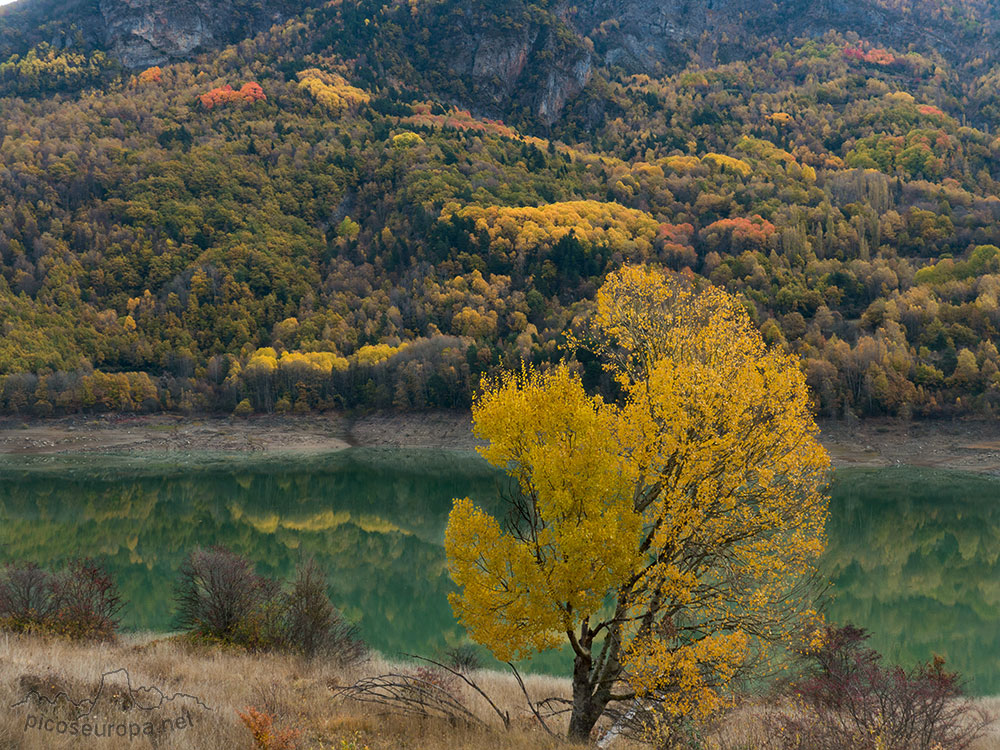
x=346 y=212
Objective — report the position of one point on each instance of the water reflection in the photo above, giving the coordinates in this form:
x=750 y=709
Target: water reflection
x=914 y=556
x=375 y=521
x=913 y=553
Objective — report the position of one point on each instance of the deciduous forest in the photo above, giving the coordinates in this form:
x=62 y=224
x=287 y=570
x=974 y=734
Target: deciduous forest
x=318 y=217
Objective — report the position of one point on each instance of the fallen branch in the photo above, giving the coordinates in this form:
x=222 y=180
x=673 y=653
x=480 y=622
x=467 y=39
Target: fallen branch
x=527 y=698
x=411 y=695
x=504 y=716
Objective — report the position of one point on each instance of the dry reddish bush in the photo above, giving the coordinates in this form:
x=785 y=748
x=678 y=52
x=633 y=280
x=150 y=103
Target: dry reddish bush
x=265 y=735
x=850 y=699
x=80 y=602
x=221 y=598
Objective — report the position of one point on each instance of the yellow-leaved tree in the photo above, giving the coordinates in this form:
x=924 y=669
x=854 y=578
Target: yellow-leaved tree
x=670 y=536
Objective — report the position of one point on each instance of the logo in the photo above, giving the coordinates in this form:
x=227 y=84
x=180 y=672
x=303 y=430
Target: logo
x=116 y=708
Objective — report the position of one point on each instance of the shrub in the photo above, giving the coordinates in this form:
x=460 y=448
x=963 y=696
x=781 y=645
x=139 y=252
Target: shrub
x=221 y=598
x=849 y=699
x=313 y=624
x=265 y=736
x=80 y=602
x=219 y=595
x=25 y=596
x=464 y=658
x=86 y=601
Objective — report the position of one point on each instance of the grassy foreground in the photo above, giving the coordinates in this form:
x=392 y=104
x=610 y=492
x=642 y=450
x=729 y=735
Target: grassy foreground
x=298 y=694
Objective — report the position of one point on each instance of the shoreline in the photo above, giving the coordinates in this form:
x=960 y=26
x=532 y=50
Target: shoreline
x=945 y=444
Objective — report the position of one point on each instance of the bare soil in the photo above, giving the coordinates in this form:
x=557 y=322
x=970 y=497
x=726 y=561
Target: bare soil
x=945 y=444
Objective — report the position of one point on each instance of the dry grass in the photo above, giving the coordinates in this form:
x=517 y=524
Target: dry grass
x=747 y=727
x=295 y=691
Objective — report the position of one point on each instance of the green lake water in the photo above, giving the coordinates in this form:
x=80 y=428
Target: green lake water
x=913 y=554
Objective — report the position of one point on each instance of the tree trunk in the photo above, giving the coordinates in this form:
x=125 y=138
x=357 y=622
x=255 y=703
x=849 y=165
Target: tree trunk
x=587 y=708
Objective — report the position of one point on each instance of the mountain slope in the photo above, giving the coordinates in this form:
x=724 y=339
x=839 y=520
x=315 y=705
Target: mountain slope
x=498 y=57
x=330 y=214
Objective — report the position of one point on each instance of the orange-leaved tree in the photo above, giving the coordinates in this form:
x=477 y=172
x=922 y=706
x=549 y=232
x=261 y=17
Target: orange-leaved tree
x=669 y=536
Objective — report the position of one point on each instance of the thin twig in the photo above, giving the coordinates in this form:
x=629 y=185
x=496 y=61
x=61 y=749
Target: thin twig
x=527 y=698
x=409 y=694
x=504 y=716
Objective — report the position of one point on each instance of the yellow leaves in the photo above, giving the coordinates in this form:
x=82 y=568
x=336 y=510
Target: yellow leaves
x=636 y=310
x=496 y=575
x=655 y=668
x=900 y=97
x=297 y=365
x=151 y=75
x=266 y=362
x=559 y=445
x=681 y=164
x=696 y=504
x=470 y=322
x=764 y=150
x=372 y=354
x=262 y=362
x=332 y=90
x=320 y=363
x=406 y=139
x=728 y=164
x=591 y=222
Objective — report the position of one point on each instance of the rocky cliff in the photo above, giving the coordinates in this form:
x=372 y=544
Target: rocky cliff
x=534 y=65
x=656 y=34
x=139 y=33
x=494 y=57
x=498 y=57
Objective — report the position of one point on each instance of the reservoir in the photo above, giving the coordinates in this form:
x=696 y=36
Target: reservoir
x=913 y=554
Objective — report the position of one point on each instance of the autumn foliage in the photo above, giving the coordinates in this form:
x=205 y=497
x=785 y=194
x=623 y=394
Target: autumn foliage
x=849 y=698
x=80 y=601
x=458 y=119
x=331 y=90
x=872 y=55
x=694 y=505
x=249 y=93
x=151 y=75
x=266 y=736
x=362 y=201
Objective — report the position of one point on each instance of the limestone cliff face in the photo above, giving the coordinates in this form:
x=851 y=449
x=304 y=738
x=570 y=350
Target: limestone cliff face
x=542 y=60
x=502 y=55
x=140 y=33
x=652 y=34
x=562 y=83
x=533 y=65
x=502 y=58
x=148 y=32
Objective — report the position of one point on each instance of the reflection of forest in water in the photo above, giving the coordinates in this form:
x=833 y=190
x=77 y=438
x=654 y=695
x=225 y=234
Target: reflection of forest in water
x=914 y=557
x=913 y=553
x=374 y=520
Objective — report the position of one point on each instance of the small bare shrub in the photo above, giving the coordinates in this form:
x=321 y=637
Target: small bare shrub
x=221 y=598
x=849 y=699
x=313 y=626
x=25 y=596
x=86 y=601
x=464 y=658
x=219 y=595
x=80 y=602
